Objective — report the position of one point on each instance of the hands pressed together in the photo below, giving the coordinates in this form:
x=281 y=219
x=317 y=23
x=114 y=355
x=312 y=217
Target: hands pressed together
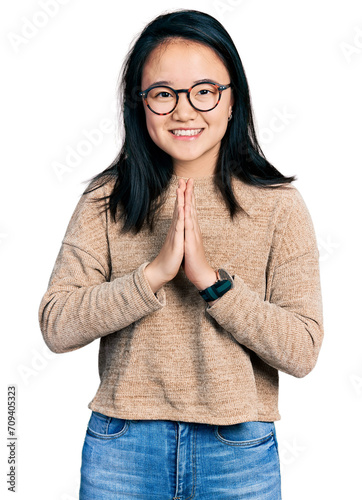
x=183 y=245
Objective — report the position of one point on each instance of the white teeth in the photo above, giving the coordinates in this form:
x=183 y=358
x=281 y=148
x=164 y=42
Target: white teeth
x=187 y=132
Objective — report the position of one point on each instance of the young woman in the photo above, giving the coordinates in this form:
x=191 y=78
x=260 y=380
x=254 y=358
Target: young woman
x=200 y=277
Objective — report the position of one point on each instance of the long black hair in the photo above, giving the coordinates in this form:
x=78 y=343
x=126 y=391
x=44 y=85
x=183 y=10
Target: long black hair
x=141 y=170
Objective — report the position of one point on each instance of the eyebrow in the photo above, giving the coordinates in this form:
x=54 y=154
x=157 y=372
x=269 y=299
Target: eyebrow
x=166 y=82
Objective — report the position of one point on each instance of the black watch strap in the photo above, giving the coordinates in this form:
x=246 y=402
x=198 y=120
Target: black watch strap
x=219 y=288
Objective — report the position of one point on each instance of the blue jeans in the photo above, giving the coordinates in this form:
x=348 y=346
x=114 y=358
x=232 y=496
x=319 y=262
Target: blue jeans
x=169 y=460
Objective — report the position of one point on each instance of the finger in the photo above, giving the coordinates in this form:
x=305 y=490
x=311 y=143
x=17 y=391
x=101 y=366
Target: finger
x=188 y=203
x=178 y=213
x=189 y=191
x=180 y=206
x=193 y=202
x=193 y=199
x=195 y=222
x=181 y=198
x=180 y=192
x=193 y=205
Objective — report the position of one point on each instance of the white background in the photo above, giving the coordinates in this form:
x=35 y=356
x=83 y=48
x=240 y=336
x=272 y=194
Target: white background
x=59 y=77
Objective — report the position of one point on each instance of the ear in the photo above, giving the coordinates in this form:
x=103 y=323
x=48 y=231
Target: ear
x=231 y=102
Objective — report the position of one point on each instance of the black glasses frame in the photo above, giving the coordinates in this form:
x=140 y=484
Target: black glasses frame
x=220 y=88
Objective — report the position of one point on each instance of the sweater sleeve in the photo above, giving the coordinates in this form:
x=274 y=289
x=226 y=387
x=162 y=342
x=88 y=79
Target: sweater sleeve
x=81 y=304
x=286 y=331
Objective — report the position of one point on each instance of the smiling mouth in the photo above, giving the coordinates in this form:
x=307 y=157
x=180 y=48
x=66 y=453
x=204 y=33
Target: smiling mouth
x=189 y=132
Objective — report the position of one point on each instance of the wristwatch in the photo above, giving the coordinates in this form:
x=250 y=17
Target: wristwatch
x=223 y=284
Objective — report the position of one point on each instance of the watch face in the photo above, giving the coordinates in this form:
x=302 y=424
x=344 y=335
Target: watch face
x=224 y=275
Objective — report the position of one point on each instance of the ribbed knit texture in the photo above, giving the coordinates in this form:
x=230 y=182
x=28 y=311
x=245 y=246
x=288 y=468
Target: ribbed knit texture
x=171 y=356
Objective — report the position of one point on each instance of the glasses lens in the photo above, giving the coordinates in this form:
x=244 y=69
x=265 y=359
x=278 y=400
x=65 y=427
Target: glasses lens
x=161 y=99
x=204 y=96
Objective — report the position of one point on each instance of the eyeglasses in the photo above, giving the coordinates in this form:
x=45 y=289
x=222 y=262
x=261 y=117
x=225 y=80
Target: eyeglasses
x=162 y=100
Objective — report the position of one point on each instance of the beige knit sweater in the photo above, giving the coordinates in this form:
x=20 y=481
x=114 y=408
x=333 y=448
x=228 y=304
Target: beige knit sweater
x=170 y=356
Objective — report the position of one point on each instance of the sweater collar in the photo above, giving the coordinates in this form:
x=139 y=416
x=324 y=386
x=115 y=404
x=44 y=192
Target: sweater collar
x=245 y=192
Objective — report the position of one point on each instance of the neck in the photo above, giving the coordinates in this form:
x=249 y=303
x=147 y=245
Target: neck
x=201 y=167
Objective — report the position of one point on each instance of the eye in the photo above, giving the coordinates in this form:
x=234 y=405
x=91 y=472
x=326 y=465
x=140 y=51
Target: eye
x=160 y=94
x=204 y=91
x=163 y=94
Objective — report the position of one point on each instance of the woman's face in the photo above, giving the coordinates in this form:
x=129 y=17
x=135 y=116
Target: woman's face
x=181 y=63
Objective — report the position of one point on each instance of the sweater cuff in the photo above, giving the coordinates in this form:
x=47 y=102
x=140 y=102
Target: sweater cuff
x=221 y=307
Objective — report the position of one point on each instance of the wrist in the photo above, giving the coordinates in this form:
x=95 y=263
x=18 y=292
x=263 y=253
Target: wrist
x=207 y=280
x=154 y=277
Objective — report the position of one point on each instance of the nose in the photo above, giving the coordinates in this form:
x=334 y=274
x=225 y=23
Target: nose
x=184 y=111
